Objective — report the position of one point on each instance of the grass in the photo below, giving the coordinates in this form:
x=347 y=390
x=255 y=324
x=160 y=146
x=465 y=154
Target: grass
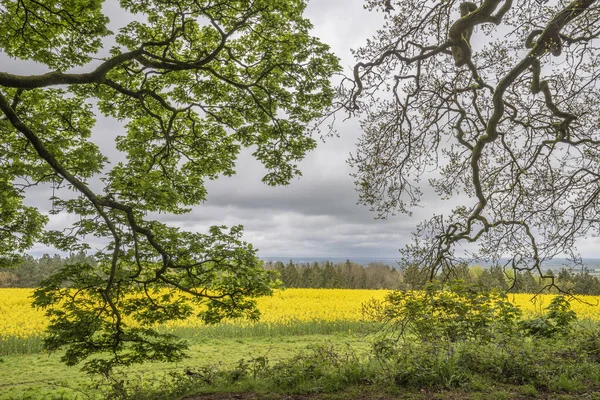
x=10 y=345
x=27 y=373
x=263 y=329
x=335 y=363
x=328 y=359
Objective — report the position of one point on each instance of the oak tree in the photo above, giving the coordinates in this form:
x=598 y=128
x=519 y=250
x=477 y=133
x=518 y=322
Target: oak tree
x=493 y=103
x=193 y=82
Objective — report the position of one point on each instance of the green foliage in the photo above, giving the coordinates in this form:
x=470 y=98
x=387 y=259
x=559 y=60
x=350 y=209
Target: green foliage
x=193 y=82
x=456 y=313
x=493 y=278
x=414 y=277
x=89 y=322
x=320 y=368
x=539 y=363
x=558 y=319
x=60 y=34
x=511 y=362
x=418 y=364
x=346 y=275
x=10 y=345
x=20 y=225
x=581 y=282
x=566 y=366
x=30 y=272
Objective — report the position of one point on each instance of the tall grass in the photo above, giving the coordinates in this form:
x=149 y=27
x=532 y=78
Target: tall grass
x=268 y=329
x=13 y=345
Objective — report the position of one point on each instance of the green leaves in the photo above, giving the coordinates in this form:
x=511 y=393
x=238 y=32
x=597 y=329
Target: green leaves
x=20 y=225
x=253 y=76
x=60 y=34
x=193 y=82
x=94 y=310
x=557 y=319
x=458 y=313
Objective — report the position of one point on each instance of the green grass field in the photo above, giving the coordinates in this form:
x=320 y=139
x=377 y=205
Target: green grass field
x=38 y=375
x=338 y=359
x=297 y=368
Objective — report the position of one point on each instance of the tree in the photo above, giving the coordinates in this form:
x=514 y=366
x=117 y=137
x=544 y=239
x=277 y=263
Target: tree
x=494 y=102
x=585 y=283
x=525 y=282
x=8 y=279
x=30 y=272
x=413 y=277
x=194 y=81
x=498 y=277
x=381 y=276
x=328 y=278
x=291 y=275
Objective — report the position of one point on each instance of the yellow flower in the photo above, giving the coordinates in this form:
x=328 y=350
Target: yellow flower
x=19 y=319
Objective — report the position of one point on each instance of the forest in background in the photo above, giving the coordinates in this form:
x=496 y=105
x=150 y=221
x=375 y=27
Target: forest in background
x=349 y=275
x=343 y=275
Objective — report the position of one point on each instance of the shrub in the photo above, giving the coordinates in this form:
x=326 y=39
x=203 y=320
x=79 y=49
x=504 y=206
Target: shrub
x=321 y=368
x=557 y=319
x=456 y=313
x=420 y=365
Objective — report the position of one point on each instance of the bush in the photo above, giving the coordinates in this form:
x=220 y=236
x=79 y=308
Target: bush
x=456 y=313
x=321 y=368
x=557 y=319
x=509 y=362
x=419 y=365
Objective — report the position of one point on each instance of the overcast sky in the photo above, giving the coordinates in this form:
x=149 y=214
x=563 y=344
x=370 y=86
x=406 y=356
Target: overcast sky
x=316 y=215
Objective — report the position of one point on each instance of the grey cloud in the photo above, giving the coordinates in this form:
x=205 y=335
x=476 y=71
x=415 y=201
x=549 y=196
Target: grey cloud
x=316 y=215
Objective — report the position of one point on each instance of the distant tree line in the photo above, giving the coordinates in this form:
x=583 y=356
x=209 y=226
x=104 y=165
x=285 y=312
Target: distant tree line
x=32 y=270
x=496 y=277
x=349 y=275
x=345 y=275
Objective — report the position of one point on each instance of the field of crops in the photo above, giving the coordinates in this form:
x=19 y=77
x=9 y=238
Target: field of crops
x=292 y=321
x=19 y=320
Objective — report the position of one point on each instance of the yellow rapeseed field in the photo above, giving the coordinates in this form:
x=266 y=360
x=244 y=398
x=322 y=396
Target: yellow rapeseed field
x=18 y=319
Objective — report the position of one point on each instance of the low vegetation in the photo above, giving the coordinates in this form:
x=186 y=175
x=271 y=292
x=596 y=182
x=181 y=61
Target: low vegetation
x=443 y=338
